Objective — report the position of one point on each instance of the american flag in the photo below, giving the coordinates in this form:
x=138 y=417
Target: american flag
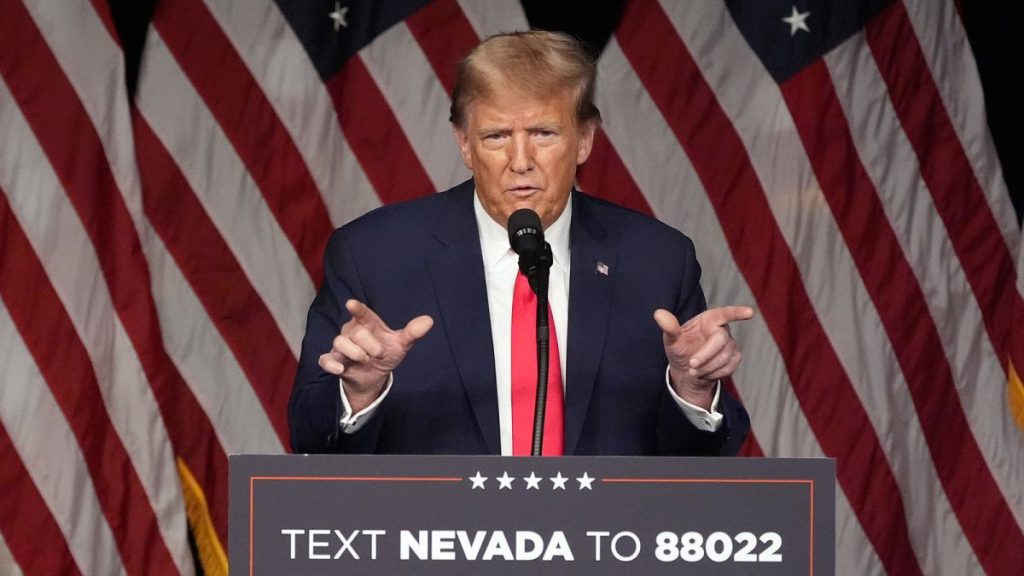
x=831 y=161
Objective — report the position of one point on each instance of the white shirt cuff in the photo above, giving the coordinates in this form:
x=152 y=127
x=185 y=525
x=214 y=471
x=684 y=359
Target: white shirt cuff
x=351 y=423
x=699 y=417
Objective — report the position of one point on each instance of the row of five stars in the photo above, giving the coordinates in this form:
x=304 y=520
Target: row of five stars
x=532 y=481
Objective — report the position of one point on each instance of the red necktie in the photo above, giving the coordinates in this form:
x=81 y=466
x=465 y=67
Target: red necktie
x=524 y=376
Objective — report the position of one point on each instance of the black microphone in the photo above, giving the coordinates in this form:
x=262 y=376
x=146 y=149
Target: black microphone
x=527 y=239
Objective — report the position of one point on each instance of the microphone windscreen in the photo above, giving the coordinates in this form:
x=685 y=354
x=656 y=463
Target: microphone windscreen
x=524 y=231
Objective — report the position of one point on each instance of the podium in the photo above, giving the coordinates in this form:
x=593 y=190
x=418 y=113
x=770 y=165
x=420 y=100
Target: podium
x=455 y=515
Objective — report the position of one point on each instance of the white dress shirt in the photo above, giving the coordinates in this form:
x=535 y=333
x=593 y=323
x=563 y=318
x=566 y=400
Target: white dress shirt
x=500 y=268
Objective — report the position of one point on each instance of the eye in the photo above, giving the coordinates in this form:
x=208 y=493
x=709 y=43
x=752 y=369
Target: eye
x=545 y=136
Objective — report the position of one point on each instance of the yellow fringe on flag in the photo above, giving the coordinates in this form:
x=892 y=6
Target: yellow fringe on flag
x=1015 y=394
x=211 y=552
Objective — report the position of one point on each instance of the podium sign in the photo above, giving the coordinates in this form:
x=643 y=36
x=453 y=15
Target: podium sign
x=493 y=515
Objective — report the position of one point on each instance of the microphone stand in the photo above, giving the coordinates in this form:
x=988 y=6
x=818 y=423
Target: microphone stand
x=539 y=268
x=543 y=348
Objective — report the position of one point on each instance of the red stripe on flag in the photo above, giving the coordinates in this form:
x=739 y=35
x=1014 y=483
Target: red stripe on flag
x=70 y=141
x=32 y=534
x=604 y=175
x=375 y=135
x=50 y=337
x=445 y=35
x=261 y=140
x=973 y=493
x=231 y=302
x=959 y=199
x=721 y=161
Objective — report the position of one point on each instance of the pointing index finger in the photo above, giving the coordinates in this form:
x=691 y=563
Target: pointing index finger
x=726 y=314
x=361 y=312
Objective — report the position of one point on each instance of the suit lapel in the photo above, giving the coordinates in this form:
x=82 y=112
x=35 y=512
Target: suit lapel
x=457 y=274
x=592 y=271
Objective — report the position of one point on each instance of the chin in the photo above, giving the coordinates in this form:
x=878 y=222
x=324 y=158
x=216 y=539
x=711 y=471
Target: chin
x=519 y=205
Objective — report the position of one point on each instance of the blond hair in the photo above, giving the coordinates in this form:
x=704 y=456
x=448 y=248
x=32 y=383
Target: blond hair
x=537 y=62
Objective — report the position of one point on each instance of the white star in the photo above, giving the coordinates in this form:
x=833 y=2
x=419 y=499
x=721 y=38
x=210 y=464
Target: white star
x=532 y=481
x=797 y=21
x=558 y=482
x=478 y=481
x=505 y=481
x=585 y=481
x=339 y=16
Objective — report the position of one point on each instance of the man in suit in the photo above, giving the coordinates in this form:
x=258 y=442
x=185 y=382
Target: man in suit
x=635 y=380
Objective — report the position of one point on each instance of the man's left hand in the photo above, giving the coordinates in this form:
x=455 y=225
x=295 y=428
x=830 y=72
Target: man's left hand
x=701 y=351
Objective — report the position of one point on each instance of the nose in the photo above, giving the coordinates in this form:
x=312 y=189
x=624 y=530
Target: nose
x=521 y=154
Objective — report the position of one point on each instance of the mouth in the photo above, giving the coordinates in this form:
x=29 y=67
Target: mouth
x=522 y=191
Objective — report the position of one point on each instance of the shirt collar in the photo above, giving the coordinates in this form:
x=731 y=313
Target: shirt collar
x=494 y=238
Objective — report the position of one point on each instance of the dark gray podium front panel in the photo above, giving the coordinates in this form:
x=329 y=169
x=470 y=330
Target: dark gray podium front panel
x=448 y=515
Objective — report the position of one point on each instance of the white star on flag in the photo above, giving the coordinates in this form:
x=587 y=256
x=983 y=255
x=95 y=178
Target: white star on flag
x=338 y=16
x=558 y=482
x=585 y=481
x=797 y=21
x=532 y=481
x=505 y=481
x=478 y=481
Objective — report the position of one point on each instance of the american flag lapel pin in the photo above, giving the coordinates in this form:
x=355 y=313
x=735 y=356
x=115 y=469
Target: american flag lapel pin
x=602 y=268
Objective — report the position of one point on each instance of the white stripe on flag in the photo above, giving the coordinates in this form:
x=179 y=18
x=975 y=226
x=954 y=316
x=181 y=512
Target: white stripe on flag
x=52 y=457
x=489 y=18
x=656 y=161
x=830 y=276
x=762 y=378
x=663 y=172
x=282 y=68
x=53 y=228
x=854 y=554
x=892 y=164
x=225 y=189
x=206 y=363
x=951 y=60
x=420 y=103
x=94 y=64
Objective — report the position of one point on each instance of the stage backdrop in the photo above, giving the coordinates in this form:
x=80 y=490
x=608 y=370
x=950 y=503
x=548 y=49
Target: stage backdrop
x=831 y=161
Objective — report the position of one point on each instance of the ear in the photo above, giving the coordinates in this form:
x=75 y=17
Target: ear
x=463 y=140
x=587 y=132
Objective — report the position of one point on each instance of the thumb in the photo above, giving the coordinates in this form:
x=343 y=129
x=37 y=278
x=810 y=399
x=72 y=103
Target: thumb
x=668 y=323
x=417 y=328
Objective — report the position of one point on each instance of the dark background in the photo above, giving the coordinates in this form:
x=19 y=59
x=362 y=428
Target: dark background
x=992 y=28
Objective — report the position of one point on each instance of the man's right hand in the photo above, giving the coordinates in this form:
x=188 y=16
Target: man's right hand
x=366 y=351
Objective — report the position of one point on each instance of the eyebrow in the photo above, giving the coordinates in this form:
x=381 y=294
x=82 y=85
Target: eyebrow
x=553 y=126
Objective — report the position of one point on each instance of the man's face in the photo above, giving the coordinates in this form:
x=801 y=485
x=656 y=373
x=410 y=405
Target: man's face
x=523 y=152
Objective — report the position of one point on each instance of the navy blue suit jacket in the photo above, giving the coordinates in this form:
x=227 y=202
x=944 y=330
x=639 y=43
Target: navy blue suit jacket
x=423 y=257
